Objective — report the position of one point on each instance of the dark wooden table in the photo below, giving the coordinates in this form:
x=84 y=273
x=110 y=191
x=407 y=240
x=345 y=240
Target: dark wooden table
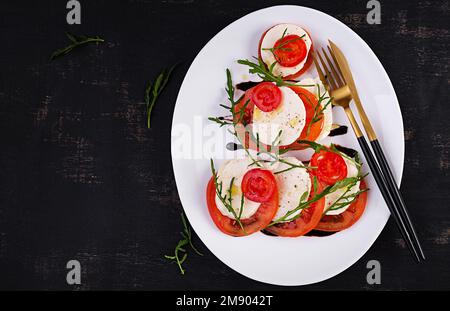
x=81 y=177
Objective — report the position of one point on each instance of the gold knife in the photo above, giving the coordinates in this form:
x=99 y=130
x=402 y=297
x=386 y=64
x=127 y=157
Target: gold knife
x=345 y=72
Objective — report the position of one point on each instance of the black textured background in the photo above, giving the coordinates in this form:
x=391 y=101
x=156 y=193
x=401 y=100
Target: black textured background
x=81 y=177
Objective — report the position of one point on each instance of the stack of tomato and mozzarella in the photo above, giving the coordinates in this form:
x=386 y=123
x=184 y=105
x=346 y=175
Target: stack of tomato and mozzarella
x=263 y=193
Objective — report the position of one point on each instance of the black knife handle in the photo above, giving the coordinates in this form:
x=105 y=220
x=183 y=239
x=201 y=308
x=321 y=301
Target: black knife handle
x=381 y=182
x=395 y=192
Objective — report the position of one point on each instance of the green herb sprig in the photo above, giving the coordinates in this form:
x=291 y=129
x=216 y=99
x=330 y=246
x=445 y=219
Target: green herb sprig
x=221 y=121
x=277 y=140
x=275 y=158
x=282 y=47
x=180 y=247
x=319 y=108
x=266 y=74
x=236 y=116
x=292 y=166
x=75 y=41
x=154 y=89
x=176 y=257
x=315 y=184
x=345 y=199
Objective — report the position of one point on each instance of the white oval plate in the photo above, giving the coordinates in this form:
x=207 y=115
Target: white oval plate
x=281 y=261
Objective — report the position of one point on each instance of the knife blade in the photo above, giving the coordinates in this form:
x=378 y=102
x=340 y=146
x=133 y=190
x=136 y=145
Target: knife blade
x=348 y=77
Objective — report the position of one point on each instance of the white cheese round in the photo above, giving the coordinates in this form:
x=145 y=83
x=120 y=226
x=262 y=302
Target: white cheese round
x=272 y=36
x=289 y=118
x=235 y=168
x=292 y=184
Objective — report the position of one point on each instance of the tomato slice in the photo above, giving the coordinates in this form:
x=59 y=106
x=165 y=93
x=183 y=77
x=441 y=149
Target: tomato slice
x=266 y=96
x=331 y=167
x=258 y=185
x=306 y=66
x=308 y=220
x=257 y=222
x=334 y=223
x=290 y=50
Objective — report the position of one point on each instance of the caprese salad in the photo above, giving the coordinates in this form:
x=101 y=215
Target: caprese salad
x=282 y=115
x=287 y=48
x=268 y=189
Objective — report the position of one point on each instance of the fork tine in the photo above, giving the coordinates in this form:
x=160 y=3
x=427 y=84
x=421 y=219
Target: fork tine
x=328 y=75
x=319 y=71
x=330 y=64
x=337 y=65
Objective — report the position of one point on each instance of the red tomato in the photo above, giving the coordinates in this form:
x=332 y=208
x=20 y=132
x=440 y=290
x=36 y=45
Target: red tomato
x=266 y=96
x=308 y=220
x=333 y=223
x=257 y=222
x=331 y=167
x=290 y=50
x=308 y=63
x=258 y=185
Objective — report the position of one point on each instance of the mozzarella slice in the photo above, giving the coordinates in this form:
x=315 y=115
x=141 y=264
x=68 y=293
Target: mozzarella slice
x=330 y=199
x=292 y=184
x=288 y=119
x=235 y=168
x=318 y=89
x=272 y=36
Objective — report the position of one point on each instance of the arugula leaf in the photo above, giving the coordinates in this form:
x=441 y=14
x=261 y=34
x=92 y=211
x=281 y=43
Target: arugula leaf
x=259 y=68
x=154 y=89
x=176 y=257
x=304 y=196
x=237 y=116
x=76 y=41
x=345 y=199
x=187 y=234
x=282 y=45
x=315 y=184
x=179 y=248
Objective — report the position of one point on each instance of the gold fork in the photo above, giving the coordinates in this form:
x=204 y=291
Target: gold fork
x=338 y=80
